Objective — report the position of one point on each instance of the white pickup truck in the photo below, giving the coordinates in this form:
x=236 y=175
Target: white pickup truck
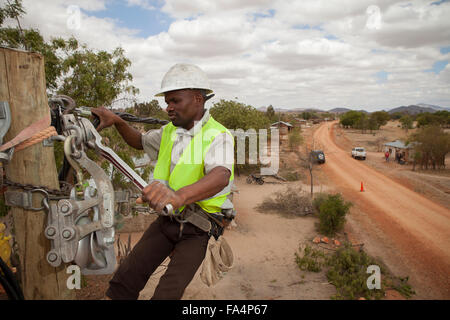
x=359 y=153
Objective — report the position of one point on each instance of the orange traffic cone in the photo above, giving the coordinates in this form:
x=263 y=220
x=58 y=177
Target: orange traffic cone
x=362 y=187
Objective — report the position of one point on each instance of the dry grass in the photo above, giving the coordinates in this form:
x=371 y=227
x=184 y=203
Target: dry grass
x=288 y=202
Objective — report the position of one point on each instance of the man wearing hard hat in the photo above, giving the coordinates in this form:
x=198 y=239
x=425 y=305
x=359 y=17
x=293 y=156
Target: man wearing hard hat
x=193 y=173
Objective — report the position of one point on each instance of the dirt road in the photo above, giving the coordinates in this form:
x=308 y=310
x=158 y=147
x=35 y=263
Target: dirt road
x=415 y=230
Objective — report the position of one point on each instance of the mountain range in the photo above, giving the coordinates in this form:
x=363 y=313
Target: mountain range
x=411 y=109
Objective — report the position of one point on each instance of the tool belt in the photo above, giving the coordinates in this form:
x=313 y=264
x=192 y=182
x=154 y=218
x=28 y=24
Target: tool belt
x=213 y=223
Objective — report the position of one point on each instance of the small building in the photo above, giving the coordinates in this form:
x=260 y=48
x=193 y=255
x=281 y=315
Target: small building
x=299 y=123
x=398 y=150
x=284 y=127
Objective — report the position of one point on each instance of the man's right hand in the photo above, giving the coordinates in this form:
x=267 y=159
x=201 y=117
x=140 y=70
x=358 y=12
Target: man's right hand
x=107 y=117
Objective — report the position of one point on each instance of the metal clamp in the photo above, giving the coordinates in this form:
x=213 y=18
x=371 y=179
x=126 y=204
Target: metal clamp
x=24 y=199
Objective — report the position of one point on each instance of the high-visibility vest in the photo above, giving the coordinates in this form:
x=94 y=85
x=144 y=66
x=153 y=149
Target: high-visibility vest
x=190 y=168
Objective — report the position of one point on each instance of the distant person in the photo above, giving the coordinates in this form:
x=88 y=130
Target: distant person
x=386 y=155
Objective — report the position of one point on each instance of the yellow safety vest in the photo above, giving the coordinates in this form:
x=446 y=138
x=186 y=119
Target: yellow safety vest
x=190 y=168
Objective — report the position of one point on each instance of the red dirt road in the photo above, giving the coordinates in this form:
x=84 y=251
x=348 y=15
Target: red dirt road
x=418 y=228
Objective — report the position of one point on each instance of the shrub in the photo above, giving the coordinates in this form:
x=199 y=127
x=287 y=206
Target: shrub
x=289 y=202
x=291 y=175
x=295 y=139
x=348 y=273
x=310 y=259
x=319 y=198
x=332 y=211
x=346 y=269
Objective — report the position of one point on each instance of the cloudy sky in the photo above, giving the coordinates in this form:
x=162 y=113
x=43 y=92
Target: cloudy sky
x=358 y=54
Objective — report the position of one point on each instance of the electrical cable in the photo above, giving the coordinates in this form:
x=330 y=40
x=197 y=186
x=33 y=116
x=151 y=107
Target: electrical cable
x=9 y=282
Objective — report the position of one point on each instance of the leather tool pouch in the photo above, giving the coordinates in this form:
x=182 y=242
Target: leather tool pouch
x=197 y=218
x=212 y=223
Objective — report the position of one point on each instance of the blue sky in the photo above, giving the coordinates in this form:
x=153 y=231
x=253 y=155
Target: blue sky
x=382 y=76
x=147 y=22
x=438 y=66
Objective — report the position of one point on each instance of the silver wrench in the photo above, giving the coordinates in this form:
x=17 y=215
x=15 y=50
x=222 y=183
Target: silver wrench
x=94 y=140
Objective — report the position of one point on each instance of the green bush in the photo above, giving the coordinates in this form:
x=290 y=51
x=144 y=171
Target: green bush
x=348 y=273
x=346 y=269
x=295 y=139
x=319 y=198
x=332 y=211
x=310 y=259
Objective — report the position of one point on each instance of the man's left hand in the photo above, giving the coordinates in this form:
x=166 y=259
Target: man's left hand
x=157 y=195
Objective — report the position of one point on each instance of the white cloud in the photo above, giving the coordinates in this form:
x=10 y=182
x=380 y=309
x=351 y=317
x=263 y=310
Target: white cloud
x=145 y=4
x=184 y=9
x=276 y=52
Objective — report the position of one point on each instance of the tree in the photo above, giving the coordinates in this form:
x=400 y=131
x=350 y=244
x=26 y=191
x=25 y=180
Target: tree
x=149 y=109
x=397 y=115
x=96 y=78
x=295 y=138
x=406 y=122
x=351 y=118
x=91 y=78
x=425 y=119
x=235 y=115
x=12 y=10
x=372 y=124
x=270 y=112
x=431 y=145
x=32 y=40
x=362 y=122
x=441 y=118
x=306 y=115
x=380 y=118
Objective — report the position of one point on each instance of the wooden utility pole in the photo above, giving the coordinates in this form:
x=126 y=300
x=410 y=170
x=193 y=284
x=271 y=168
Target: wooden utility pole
x=22 y=84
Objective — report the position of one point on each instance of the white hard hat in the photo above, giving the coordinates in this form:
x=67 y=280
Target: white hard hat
x=184 y=76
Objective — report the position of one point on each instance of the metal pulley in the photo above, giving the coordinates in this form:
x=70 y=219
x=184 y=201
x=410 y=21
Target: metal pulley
x=81 y=229
x=95 y=253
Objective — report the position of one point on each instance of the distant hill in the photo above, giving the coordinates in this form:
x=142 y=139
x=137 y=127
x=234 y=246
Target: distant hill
x=339 y=110
x=433 y=106
x=344 y=110
x=411 y=109
x=415 y=109
x=296 y=110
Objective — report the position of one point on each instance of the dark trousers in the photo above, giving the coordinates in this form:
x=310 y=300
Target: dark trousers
x=160 y=240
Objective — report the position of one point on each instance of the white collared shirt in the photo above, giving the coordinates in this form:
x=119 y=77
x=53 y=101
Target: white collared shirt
x=221 y=146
